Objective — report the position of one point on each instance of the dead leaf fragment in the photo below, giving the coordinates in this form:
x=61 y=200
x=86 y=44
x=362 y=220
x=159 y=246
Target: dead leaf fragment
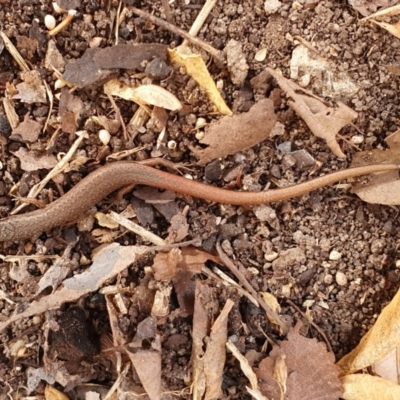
x=380 y=188
x=54 y=59
x=237 y=133
x=324 y=121
x=208 y=352
x=30 y=161
x=27 y=131
x=97 y=65
x=301 y=366
x=31 y=90
x=366 y=7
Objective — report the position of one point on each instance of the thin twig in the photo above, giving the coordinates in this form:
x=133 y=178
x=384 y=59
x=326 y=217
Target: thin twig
x=174 y=29
x=290 y=302
x=243 y=281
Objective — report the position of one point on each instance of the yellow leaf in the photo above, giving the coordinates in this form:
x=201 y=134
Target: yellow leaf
x=383 y=337
x=196 y=68
x=51 y=393
x=367 y=387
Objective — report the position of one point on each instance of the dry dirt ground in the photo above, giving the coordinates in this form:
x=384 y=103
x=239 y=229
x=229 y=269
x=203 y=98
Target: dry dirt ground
x=344 y=251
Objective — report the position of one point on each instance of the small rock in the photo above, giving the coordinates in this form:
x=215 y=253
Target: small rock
x=289 y=257
x=271 y=256
x=236 y=62
x=328 y=279
x=267 y=214
x=341 y=278
x=334 y=255
x=272 y=6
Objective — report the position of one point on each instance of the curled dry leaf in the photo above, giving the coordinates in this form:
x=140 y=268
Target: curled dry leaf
x=237 y=133
x=31 y=90
x=324 y=121
x=30 y=161
x=27 y=131
x=146 y=94
x=301 y=368
x=382 y=338
x=208 y=360
x=366 y=7
x=381 y=188
x=147 y=363
x=367 y=387
x=97 y=64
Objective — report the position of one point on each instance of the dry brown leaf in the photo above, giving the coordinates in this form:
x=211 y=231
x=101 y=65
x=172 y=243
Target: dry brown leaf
x=27 y=131
x=147 y=363
x=367 y=387
x=178 y=229
x=324 y=122
x=381 y=188
x=97 y=64
x=215 y=354
x=197 y=69
x=366 y=7
x=31 y=90
x=237 y=133
x=203 y=310
x=208 y=360
x=108 y=262
x=382 y=338
x=165 y=264
x=308 y=371
x=30 y=161
x=388 y=367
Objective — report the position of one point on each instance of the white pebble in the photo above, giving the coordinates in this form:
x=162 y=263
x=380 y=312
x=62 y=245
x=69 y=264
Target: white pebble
x=334 y=255
x=50 y=22
x=328 y=279
x=104 y=136
x=271 y=256
x=341 y=278
x=357 y=139
x=261 y=54
x=59 y=84
x=57 y=8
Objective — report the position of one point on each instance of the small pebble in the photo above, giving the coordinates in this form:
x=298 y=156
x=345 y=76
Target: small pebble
x=328 y=279
x=50 y=22
x=104 y=136
x=271 y=256
x=334 y=255
x=341 y=278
